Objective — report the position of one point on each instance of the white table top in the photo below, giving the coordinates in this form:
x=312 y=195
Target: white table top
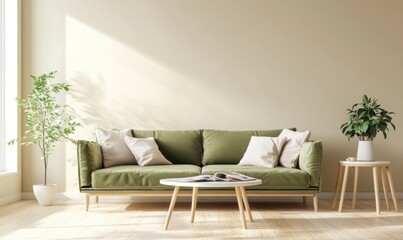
x=364 y=163
x=211 y=184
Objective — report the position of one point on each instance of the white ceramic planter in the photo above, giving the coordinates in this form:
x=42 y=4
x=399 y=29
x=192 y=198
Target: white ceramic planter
x=45 y=195
x=365 y=151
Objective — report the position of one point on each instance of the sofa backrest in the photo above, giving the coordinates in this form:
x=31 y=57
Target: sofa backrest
x=228 y=147
x=179 y=147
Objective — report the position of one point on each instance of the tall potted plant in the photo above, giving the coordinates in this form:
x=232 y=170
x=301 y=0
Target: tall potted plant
x=365 y=121
x=47 y=123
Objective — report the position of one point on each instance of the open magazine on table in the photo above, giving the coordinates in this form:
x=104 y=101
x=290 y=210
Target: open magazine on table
x=220 y=176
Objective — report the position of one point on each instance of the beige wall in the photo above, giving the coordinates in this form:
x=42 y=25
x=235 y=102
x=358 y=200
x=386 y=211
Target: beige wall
x=218 y=64
x=10 y=186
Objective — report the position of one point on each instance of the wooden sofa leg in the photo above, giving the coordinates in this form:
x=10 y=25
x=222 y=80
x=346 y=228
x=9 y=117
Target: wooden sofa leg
x=87 y=202
x=315 y=201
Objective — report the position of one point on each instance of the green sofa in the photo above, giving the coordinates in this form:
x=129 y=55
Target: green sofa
x=196 y=152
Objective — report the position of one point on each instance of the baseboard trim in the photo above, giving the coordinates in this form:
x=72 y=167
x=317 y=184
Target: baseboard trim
x=27 y=196
x=362 y=195
x=10 y=199
x=65 y=196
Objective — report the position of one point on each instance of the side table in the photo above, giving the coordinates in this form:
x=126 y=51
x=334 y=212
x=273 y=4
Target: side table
x=384 y=166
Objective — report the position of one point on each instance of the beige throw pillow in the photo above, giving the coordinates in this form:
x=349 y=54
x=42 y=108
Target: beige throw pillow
x=292 y=148
x=263 y=151
x=146 y=151
x=114 y=148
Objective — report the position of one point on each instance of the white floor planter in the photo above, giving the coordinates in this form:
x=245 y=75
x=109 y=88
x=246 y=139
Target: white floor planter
x=45 y=195
x=365 y=151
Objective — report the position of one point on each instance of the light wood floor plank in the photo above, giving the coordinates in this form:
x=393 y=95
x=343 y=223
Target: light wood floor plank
x=120 y=219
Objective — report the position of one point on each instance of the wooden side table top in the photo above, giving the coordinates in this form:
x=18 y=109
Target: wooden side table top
x=364 y=163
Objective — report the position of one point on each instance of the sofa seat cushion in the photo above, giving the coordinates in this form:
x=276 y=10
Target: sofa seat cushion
x=136 y=177
x=272 y=178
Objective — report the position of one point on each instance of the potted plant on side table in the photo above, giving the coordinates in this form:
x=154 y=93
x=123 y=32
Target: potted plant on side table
x=48 y=123
x=365 y=121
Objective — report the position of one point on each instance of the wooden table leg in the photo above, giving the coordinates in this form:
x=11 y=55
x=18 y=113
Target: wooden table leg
x=343 y=190
x=194 y=203
x=392 y=187
x=240 y=205
x=246 y=203
x=336 y=191
x=384 y=186
x=315 y=201
x=87 y=202
x=355 y=187
x=171 y=206
x=376 y=189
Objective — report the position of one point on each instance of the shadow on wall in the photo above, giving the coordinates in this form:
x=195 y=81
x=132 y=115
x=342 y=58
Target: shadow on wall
x=98 y=107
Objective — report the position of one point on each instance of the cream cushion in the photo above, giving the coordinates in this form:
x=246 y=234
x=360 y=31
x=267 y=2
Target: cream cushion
x=263 y=151
x=146 y=151
x=292 y=148
x=114 y=148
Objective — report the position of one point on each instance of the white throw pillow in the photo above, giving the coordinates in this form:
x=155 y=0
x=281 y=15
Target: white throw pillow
x=114 y=148
x=292 y=148
x=263 y=151
x=146 y=151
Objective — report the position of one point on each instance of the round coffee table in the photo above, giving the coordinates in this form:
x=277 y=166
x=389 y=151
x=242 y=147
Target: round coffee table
x=239 y=190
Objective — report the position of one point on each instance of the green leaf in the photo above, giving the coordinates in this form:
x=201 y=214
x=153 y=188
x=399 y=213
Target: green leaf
x=364 y=127
x=365 y=99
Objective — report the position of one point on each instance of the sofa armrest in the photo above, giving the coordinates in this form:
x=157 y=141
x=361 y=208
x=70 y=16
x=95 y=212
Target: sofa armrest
x=89 y=157
x=310 y=161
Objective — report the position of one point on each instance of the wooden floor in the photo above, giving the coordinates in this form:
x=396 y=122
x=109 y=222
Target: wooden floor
x=121 y=219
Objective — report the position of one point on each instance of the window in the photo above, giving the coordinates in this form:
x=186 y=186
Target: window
x=8 y=83
x=2 y=87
